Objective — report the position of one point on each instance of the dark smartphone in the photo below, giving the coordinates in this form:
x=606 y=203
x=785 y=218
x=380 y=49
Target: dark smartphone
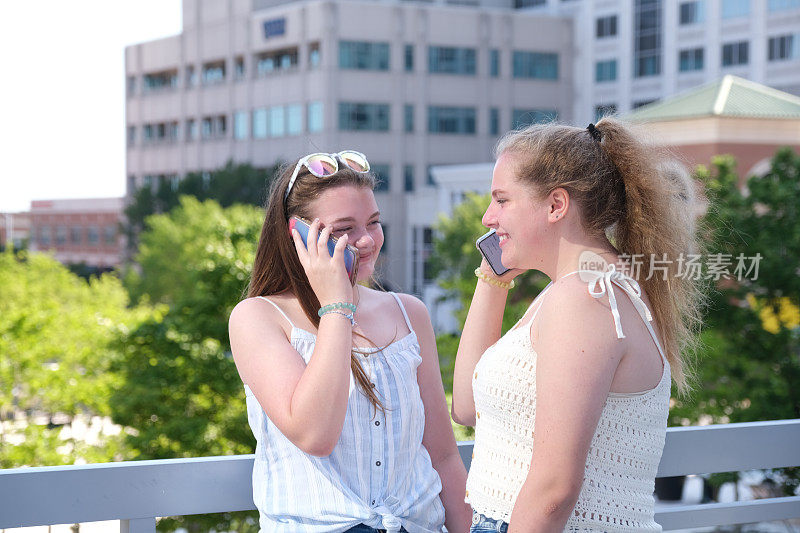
x=350 y=252
x=489 y=246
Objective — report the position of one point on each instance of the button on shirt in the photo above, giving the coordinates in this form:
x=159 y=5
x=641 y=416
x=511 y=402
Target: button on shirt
x=378 y=474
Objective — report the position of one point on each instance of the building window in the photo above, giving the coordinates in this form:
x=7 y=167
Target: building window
x=75 y=235
x=784 y=47
x=214 y=127
x=408 y=178
x=276 y=61
x=363 y=55
x=735 y=8
x=519 y=4
x=692 y=12
x=241 y=126
x=689 y=60
x=781 y=5
x=494 y=121
x=536 y=65
x=172 y=131
x=191 y=77
x=110 y=235
x=131 y=135
x=313 y=56
x=131 y=86
x=381 y=172
x=160 y=81
x=605 y=71
x=277 y=121
x=260 y=123
x=602 y=110
x=315 y=117
x=451 y=120
x=363 y=117
x=494 y=63
x=61 y=235
x=735 y=53
x=642 y=103
x=408 y=118
x=239 y=68
x=647 y=40
x=294 y=119
x=525 y=117
x=606 y=26
x=408 y=58
x=172 y=180
x=93 y=235
x=214 y=72
x=191 y=130
x=451 y=60
x=421 y=252
x=45 y=235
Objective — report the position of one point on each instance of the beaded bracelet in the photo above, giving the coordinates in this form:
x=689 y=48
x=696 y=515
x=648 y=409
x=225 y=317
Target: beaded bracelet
x=495 y=282
x=336 y=305
x=348 y=316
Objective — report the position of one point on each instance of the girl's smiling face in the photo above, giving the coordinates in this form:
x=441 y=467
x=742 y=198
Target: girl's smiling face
x=352 y=210
x=521 y=221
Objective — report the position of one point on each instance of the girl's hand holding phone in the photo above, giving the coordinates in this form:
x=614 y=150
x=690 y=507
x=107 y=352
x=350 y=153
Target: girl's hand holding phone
x=326 y=274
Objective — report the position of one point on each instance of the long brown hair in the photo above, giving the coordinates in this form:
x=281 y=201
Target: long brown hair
x=632 y=193
x=277 y=269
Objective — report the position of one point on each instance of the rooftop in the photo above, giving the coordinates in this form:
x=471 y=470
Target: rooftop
x=729 y=97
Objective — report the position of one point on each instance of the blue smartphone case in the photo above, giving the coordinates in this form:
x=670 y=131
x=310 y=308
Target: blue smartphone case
x=302 y=226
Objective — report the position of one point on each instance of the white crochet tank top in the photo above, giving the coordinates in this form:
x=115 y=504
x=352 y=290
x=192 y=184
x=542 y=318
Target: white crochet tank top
x=618 y=484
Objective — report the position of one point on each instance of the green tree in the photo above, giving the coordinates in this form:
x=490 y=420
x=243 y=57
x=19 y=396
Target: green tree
x=748 y=370
x=749 y=365
x=57 y=334
x=180 y=391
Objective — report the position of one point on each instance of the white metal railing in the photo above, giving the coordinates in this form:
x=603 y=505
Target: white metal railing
x=136 y=492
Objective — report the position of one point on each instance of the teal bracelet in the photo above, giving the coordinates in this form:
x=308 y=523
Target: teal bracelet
x=348 y=316
x=336 y=305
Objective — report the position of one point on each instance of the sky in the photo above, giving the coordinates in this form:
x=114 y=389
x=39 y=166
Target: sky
x=62 y=94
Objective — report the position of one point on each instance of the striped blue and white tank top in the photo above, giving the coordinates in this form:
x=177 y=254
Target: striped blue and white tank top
x=378 y=474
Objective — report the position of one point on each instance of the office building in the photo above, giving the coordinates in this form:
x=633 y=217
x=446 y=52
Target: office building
x=632 y=53
x=410 y=84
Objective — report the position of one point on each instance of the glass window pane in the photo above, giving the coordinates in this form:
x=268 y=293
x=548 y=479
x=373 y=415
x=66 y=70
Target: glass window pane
x=277 y=121
x=315 y=116
x=260 y=123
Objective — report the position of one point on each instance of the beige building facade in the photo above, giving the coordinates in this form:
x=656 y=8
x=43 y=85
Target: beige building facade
x=411 y=85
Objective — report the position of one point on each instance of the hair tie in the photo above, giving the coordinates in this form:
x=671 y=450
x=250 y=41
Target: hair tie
x=594 y=132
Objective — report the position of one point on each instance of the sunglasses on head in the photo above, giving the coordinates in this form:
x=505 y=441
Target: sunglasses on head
x=326 y=165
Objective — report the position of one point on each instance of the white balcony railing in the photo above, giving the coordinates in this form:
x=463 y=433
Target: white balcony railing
x=137 y=492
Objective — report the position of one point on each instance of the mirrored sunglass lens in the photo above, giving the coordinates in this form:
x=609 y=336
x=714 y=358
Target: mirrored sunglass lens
x=321 y=165
x=355 y=161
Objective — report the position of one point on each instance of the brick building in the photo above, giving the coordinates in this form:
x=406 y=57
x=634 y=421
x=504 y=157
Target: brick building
x=731 y=116
x=79 y=231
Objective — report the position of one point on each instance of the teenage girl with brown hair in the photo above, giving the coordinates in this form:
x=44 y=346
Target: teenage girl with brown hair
x=344 y=394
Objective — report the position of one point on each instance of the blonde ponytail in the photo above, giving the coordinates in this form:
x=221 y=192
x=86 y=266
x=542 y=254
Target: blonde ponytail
x=637 y=196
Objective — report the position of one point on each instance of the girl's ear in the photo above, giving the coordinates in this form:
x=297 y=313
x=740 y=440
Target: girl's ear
x=559 y=204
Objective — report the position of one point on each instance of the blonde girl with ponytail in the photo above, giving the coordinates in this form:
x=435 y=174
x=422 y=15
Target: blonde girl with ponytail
x=570 y=406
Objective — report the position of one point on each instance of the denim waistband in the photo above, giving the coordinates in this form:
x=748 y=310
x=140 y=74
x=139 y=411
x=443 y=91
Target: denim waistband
x=484 y=524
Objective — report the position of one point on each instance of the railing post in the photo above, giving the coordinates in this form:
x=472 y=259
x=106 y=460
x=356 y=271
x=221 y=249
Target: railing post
x=138 y=525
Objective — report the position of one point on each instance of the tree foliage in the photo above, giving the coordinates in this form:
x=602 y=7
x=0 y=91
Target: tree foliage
x=180 y=384
x=749 y=367
x=57 y=334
